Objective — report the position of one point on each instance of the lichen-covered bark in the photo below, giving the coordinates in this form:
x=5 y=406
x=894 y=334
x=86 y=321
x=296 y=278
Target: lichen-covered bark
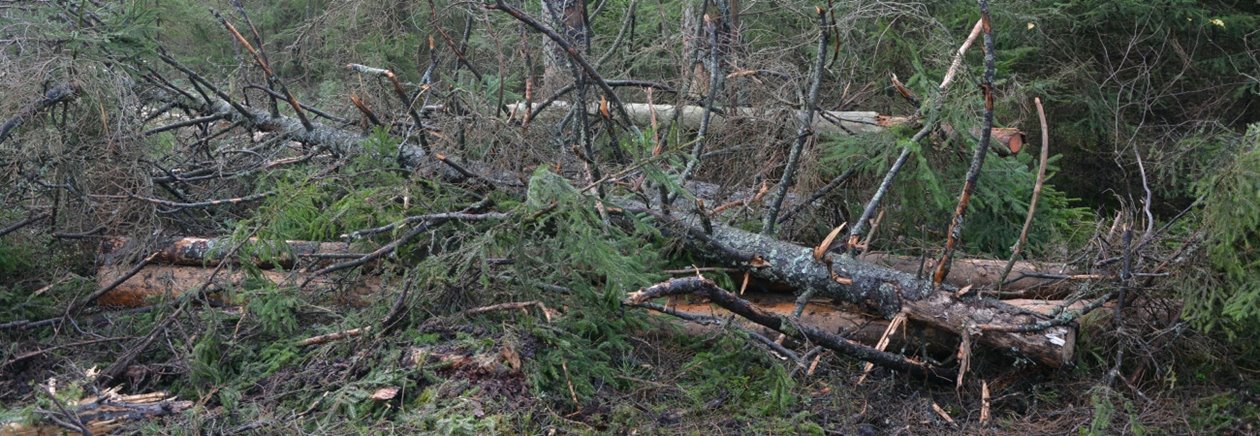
x=338 y=140
x=884 y=290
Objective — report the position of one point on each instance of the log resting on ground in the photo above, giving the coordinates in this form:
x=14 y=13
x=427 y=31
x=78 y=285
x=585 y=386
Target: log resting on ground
x=851 y=323
x=641 y=114
x=883 y=290
x=194 y=251
x=154 y=282
x=785 y=325
x=1023 y=282
x=980 y=273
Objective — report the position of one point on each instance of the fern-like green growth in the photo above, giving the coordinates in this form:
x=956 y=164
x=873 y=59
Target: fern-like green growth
x=1231 y=221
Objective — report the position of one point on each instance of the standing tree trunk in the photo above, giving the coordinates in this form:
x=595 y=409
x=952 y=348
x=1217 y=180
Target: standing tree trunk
x=568 y=18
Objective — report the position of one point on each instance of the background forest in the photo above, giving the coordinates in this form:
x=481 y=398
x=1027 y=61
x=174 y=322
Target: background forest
x=484 y=248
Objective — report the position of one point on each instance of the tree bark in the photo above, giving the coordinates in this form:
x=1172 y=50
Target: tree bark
x=1026 y=279
x=882 y=290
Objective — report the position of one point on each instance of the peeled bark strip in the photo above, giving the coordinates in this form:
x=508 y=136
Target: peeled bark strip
x=880 y=289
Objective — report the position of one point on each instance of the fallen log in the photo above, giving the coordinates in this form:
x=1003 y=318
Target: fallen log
x=101 y=414
x=788 y=327
x=1027 y=279
x=883 y=290
x=980 y=273
x=828 y=122
x=825 y=315
x=849 y=122
x=154 y=282
x=195 y=251
x=849 y=321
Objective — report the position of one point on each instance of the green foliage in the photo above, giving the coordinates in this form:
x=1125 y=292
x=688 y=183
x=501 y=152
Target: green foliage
x=727 y=369
x=310 y=205
x=600 y=263
x=1231 y=217
x=926 y=192
x=274 y=308
x=1222 y=413
x=14 y=259
x=1104 y=401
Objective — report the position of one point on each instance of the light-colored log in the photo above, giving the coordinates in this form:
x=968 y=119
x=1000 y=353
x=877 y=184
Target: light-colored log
x=155 y=282
x=641 y=114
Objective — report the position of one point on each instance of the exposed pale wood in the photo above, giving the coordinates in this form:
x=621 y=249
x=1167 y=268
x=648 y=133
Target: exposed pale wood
x=195 y=251
x=691 y=116
x=154 y=282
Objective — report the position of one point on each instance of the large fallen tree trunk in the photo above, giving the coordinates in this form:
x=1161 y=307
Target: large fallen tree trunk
x=883 y=290
x=1026 y=280
x=691 y=117
x=849 y=321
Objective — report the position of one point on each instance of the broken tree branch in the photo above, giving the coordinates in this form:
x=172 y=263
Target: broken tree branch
x=1032 y=204
x=57 y=94
x=977 y=158
x=803 y=134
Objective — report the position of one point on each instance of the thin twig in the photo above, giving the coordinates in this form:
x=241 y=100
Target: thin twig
x=804 y=132
x=572 y=53
x=786 y=326
x=977 y=158
x=1032 y=205
x=34 y=218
